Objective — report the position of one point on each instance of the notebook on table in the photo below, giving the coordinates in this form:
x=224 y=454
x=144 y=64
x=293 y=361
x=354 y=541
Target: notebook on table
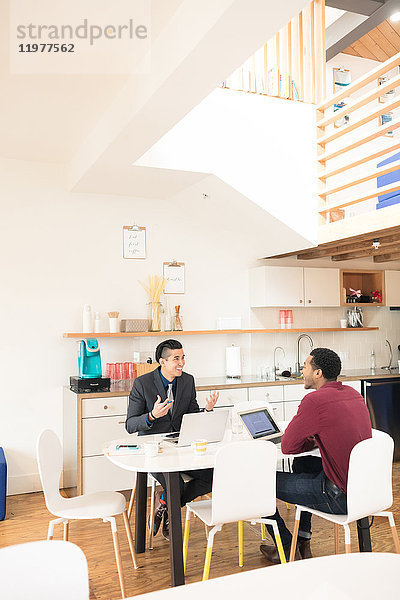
x=261 y=425
x=208 y=426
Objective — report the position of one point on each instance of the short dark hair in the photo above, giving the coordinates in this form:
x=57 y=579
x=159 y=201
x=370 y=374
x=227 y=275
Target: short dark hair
x=326 y=360
x=161 y=350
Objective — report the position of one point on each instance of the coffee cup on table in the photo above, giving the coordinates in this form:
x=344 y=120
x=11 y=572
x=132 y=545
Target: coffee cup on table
x=150 y=448
x=199 y=447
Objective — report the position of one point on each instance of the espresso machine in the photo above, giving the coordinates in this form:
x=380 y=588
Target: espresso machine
x=89 y=369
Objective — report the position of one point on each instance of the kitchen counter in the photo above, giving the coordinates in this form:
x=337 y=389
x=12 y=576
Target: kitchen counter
x=249 y=381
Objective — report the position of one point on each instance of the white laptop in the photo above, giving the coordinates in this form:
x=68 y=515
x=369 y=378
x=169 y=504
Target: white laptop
x=208 y=426
x=261 y=425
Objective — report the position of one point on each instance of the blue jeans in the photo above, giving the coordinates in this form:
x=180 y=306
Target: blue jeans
x=306 y=486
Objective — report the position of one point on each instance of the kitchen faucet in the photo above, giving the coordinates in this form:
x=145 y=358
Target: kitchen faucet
x=275 y=367
x=389 y=366
x=297 y=365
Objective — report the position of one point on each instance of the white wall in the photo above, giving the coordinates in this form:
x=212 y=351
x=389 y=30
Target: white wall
x=262 y=147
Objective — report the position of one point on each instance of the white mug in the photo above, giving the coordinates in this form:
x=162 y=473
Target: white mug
x=150 y=448
x=199 y=447
x=343 y=323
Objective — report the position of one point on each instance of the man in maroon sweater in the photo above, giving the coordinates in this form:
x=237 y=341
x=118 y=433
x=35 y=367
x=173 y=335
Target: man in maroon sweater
x=334 y=418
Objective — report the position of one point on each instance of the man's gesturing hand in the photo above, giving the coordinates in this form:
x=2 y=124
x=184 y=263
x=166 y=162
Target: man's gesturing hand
x=212 y=400
x=160 y=408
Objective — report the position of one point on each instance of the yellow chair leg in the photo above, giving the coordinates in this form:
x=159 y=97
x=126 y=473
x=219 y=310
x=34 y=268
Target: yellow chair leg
x=207 y=563
x=186 y=542
x=240 y=539
x=288 y=506
x=263 y=532
x=280 y=548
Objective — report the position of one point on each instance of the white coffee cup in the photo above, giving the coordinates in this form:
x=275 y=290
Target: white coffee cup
x=343 y=323
x=150 y=448
x=199 y=447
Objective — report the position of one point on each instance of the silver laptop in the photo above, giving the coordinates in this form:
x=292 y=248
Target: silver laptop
x=261 y=425
x=208 y=426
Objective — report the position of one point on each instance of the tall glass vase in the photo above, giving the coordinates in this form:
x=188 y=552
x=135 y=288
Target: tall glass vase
x=154 y=316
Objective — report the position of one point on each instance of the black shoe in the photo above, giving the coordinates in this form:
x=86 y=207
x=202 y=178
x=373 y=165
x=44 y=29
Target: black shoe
x=165 y=527
x=158 y=515
x=272 y=555
x=304 y=548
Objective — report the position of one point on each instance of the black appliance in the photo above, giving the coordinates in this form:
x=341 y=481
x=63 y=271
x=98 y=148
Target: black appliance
x=383 y=402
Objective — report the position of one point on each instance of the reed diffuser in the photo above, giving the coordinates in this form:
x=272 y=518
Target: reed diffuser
x=154 y=288
x=178 y=319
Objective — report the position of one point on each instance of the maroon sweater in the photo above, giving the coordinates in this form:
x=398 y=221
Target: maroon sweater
x=337 y=417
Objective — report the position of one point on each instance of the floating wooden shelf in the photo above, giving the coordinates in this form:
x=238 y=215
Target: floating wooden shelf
x=212 y=332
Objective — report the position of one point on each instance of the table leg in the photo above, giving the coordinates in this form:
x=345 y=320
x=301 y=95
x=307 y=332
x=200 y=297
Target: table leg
x=175 y=528
x=364 y=536
x=140 y=511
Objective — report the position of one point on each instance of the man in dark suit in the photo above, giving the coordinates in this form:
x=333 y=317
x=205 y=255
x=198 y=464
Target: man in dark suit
x=157 y=403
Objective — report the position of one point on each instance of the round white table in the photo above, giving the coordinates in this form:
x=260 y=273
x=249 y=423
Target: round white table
x=171 y=461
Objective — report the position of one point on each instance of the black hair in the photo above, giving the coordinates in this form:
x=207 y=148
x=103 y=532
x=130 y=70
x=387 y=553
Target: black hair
x=326 y=360
x=161 y=350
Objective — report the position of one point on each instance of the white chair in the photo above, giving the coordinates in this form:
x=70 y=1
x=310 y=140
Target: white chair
x=369 y=489
x=100 y=505
x=238 y=494
x=43 y=571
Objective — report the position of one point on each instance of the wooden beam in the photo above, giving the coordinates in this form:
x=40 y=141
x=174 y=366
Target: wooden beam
x=367 y=252
x=341 y=249
x=387 y=257
x=340 y=244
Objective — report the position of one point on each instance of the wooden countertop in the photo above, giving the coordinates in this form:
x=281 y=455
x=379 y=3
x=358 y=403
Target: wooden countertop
x=223 y=383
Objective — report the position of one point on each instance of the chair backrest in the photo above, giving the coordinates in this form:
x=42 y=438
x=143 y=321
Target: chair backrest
x=244 y=483
x=45 y=570
x=50 y=460
x=369 y=485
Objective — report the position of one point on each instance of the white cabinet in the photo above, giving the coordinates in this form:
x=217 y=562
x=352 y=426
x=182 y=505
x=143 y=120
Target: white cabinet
x=294 y=286
x=392 y=287
x=273 y=395
x=227 y=397
x=276 y=286
x=321 y=287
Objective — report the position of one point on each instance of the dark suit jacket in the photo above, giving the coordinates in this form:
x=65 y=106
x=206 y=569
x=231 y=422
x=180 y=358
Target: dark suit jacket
x=143 y=396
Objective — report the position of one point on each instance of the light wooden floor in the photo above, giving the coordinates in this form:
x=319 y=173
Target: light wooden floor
x=27 y=520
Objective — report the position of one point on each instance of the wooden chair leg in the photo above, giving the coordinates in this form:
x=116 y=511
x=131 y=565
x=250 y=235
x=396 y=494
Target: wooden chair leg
x=395 y=538
x=118 y=556
x=336 y=538
x=132 y=500
x=294 y=538
x=66 y=531
x=240 y=542
x=347 y=539
x=130 y=540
